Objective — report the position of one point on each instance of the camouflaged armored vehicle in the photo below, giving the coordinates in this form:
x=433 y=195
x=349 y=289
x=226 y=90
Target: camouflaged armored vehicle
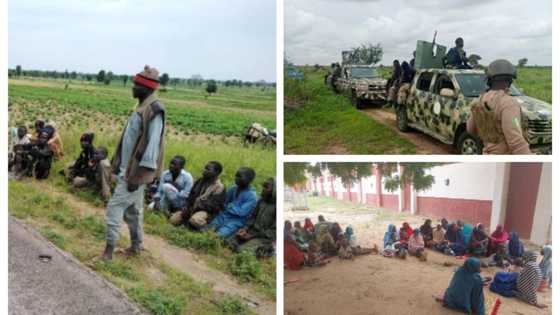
x=439 y=105
x=361 y=83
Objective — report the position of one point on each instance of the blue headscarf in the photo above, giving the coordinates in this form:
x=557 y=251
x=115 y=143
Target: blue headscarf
x=465 y=291
x=546 y=263
x=349 y=235
x=515 y=246
x=388 y=238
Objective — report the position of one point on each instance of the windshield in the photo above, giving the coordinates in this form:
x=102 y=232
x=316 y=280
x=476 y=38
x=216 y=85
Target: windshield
x=474 y=84
x=364 y=72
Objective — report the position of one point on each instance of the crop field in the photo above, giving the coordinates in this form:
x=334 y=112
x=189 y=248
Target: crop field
x=200 y=128
x=318 y=121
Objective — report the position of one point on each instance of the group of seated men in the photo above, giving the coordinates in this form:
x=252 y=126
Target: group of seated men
x=312 y=244
x=31 y=155
x=203 y=204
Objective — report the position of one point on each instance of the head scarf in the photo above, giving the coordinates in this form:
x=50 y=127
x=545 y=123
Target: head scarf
x=515 y=246
x=529 y=278
x=148 y=78
x=500 y=235
x=388 y=238
x=478 y=233
x=349 y=232
x=546 y=262
x=308 y=225
x=408 y=229
x=465 y=292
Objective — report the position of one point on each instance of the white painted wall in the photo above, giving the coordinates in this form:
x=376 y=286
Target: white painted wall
x=543 y=208
x=501 y=188
x=466 y=181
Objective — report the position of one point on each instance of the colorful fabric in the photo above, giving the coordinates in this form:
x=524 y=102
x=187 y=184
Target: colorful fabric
x=149 y=78
x=546 y=264
x=515 y=246
x=505 y=283
x=465 y=292
x=238 y=207
x=391 y=236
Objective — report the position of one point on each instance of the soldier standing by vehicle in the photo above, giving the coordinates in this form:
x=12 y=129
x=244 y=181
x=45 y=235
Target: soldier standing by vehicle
x=393 y=84
x=406 y=80
x=496 y=116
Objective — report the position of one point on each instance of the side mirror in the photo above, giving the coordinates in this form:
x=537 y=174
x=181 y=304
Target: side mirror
x=447 y=93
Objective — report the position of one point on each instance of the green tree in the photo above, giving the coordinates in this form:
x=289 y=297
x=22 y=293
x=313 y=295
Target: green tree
x=366 y=54
x=108 y=78
x=101 y=76
x=414 y=173
x=522 y=62
x=211 y=87
x=125 y=79
x=18 y=70
x=73 y=75
x=164 y=79
x=294 y=173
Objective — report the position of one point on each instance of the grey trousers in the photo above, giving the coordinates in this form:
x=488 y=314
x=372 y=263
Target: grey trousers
x=127 y=206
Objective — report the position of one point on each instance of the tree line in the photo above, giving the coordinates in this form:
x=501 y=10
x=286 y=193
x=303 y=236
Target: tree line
x=107 y=77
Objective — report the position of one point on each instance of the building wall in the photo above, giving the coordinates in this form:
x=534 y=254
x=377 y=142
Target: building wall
x=542 y=220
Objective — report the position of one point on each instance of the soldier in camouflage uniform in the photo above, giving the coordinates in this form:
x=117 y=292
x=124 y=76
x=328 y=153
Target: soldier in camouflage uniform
x=496 y=116
x=393 y=84
x=406 y=80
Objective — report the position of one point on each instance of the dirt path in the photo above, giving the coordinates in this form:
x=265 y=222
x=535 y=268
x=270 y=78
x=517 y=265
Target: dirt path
x=178 y=258
x=424 y=143
x=374 y=285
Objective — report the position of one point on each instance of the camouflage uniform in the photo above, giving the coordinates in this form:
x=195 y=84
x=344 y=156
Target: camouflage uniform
x=496 y=119
x=404 y=91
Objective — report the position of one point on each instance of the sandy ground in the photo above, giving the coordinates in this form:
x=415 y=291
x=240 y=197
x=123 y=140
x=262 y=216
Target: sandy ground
x=374 y=284
x=424 y=143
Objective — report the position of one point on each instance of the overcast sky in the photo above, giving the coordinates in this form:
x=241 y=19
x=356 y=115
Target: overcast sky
x=317 y=30
x=217 y=39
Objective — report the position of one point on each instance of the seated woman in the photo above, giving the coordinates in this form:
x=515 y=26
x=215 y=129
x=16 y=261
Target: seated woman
x=427 y=233
x=467 y=231
x=456 y=241
x=294 y=257
x=498 y=237
x=546 y=267
x=308 y=227
x=465 y=292
x=529 y=280
x=479 y=241
x=352 y=242
x=439 y=241
x=500 y=258
x=515 y=246
x=416 y=245
x=314 y=257
x=389 y=239
x=299 y=234
x=325 y=241
x=401 y=246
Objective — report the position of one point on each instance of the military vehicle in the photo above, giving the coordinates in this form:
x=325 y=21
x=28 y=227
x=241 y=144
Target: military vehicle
x=439 y=101
x=361 y=83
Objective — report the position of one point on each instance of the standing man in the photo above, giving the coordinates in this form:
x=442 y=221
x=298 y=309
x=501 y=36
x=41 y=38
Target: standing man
x=496 y=116
x=457 y=57
x=137 y=161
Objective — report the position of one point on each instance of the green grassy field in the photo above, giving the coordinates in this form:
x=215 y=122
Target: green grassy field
x=320 y=121
x=327 y=122
x=104 y=110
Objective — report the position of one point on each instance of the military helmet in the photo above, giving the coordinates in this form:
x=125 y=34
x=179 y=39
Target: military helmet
x=501 y=67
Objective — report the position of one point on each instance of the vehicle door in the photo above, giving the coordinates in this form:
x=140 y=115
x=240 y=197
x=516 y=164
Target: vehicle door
x=421 y=101
x=445 y=94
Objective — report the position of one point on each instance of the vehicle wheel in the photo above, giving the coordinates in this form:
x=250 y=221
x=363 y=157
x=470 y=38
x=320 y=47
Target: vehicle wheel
x=469 y=144
x=402 y=119
x=358 y=103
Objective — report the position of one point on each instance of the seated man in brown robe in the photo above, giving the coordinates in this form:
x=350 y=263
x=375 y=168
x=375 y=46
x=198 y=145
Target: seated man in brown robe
x=205 y=201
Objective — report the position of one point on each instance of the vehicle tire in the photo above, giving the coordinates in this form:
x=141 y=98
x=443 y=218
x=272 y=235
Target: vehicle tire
x=469 y=144
x=358 y=103
x=402 y=119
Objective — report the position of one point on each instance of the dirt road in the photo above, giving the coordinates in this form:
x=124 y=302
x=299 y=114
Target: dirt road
x=424 y=143
x=61 y=285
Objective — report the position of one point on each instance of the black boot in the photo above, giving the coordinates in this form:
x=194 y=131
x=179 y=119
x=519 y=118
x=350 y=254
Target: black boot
x=108 y=253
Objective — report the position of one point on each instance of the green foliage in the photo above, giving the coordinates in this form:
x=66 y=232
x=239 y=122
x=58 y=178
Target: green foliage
x=366 y=54
x=164 y=79
x=211 y=87
x=157 y=301
x=18 y=70
x=294 y=173
x=55 y=238
x=349 y=172
x=522 y=62
x=326 y=123
x=230 y=304
x=414 y=173
x=245 y=266
x=100 y=76
x=94 y=225
x=535 y=82
x=117 y=269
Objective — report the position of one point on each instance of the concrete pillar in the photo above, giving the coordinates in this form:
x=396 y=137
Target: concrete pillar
x=413 y=199
x=542 y=220
x=401 y=191
x=378 y=190
x=499 y=201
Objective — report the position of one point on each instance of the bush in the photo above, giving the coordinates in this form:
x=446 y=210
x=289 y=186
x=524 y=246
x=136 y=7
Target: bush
x=157 y=301
x=245 y=266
